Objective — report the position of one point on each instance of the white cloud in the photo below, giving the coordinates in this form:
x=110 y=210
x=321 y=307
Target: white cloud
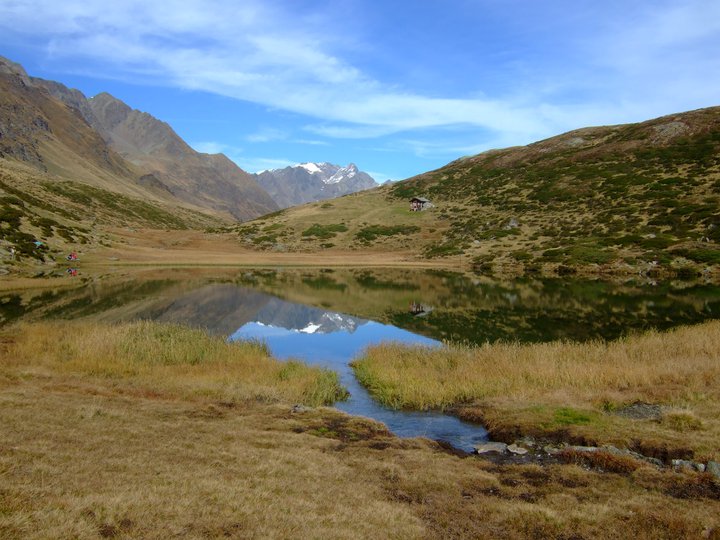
x=311 y=142
x=242 y=55
x=662 y=57
x=267 y=135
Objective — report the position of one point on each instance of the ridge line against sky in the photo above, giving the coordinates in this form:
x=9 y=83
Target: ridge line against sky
x=398 y=88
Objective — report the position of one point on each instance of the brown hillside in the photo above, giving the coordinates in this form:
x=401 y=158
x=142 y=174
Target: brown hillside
x=202 y=179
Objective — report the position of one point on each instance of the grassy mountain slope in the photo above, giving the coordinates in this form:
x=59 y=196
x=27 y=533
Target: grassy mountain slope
x=66 y=215
x=643 y=195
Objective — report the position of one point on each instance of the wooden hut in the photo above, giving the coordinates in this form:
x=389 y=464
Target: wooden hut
x=418 y=204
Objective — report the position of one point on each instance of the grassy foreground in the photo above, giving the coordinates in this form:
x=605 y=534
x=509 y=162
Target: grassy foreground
x=132 y=432
x=576 y=391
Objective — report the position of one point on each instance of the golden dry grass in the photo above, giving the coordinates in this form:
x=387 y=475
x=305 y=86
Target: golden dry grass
x=177 y=248
x=78 y=465
x=97 y=443
x=563 y=384
x=82 y=460
x=170 y=359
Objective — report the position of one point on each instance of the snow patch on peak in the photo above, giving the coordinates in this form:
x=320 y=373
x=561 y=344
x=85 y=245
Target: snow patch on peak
x=312 y=168
x=343 y=173
x=310 y=328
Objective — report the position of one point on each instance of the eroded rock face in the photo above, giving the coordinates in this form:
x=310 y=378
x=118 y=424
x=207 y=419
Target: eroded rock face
x=209 y=180
x=670 y=130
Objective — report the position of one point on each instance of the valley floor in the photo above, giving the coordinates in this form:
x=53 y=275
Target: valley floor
x=176 y=248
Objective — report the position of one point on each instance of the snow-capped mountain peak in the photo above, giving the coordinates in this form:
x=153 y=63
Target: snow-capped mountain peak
x=343 y=173
x=307 y=182
x=312 y=168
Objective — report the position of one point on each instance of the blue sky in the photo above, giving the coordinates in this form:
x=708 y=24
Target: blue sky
x=397 y=87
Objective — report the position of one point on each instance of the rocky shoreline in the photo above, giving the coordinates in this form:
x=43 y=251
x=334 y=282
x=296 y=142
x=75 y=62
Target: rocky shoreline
x=529 y=450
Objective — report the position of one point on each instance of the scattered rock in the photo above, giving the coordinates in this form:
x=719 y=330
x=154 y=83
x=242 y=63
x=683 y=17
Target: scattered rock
x=641 y=411
x=574 y=142
x=683 y=464
x=583 y=448
x=669 y=130
x=489 y=447
x=713 y=467
x=699 y=467
x=527 y=442
x=511 y=224
x=518 y=450
x=299 y=409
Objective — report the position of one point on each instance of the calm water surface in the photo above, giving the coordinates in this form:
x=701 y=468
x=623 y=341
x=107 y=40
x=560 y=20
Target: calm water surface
x=327 y=317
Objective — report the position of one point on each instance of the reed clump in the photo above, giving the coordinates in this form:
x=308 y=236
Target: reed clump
x=685 y=362
x=560 y=384
x=169 y=359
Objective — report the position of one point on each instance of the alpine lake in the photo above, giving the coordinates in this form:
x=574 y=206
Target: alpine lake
x=327 y=317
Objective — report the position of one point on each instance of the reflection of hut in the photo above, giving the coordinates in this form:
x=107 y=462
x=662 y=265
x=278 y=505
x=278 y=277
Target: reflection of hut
x=419 y=310
x=418 y=204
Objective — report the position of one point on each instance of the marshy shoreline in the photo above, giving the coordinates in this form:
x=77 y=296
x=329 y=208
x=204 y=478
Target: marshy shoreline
x=577 y=393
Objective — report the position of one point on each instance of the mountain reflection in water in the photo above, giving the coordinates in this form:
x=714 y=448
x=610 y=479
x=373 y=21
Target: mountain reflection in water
x=327 y=316
x=332 y=340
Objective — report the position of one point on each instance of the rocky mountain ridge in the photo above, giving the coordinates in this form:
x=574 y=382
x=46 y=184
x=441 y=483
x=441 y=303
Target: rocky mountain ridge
x=103 y=142
x=311 y=182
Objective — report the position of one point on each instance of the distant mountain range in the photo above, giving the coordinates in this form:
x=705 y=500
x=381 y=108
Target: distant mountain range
x=310 y=182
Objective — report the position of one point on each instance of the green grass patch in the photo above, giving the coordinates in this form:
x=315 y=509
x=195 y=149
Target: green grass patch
x=324 y=232
x=443 y=250
x=567 y=416
x=703 y=255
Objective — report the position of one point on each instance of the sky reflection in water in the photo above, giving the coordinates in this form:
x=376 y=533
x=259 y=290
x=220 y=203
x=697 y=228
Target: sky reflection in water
x=336 y=349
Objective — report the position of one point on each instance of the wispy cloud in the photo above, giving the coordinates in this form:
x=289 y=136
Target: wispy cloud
x=239 y=52
x=258 y=51
x=267 y=135
x=311 y=142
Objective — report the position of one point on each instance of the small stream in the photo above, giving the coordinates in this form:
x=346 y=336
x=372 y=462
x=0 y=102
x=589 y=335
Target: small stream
x=336 y=349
